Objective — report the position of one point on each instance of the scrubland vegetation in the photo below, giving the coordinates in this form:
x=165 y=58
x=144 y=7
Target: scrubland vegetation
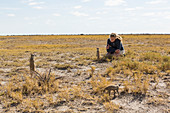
x=144 y=74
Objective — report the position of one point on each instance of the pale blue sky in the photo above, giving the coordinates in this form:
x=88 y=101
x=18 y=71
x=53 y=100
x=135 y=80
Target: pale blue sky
x=84 y=16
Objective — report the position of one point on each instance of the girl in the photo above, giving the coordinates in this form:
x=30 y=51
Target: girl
x=114 y=45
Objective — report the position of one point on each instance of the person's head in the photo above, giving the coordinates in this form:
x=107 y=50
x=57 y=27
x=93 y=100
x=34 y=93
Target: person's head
x=114 y=36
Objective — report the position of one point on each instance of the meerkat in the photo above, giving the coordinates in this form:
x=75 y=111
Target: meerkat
x=112 y=88
x=32 y=67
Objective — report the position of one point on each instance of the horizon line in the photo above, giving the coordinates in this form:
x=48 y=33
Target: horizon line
x=86 y=34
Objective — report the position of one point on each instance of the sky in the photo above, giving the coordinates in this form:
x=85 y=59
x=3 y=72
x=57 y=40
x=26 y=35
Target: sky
x=22 y=17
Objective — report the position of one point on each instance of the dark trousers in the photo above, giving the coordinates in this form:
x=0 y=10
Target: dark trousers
x=111 y=50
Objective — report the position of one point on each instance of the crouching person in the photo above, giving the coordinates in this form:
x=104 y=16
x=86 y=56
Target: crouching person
x=114 y=45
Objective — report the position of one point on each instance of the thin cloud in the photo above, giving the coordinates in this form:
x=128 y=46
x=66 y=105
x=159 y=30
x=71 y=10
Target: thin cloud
x=94 y=18
x=133 y=9
x=30 y=0
x=35 y=3
x=30 y=23
x=38 y=7
x=78 y=7
x=149 y=14
x=11 y=15
x=26 y=1
x=114 y=2
x=167 y=17
x=30 y=18
x=101 y=12
x=50 y=22
x=157 y=2
x=7 y=8
x=130 y=9
x=158 y=14
x=79 y=14
x=56 y=14
x=86 y=0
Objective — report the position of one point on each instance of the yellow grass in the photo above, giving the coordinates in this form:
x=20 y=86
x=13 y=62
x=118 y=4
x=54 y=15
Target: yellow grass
x=147 y=59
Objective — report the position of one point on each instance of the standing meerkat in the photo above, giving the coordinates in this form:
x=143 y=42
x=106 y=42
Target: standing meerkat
x=32 y=67
x=112 y=88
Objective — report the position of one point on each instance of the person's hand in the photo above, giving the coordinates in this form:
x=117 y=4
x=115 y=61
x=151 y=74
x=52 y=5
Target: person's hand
x=117 y=51
x=107 y=47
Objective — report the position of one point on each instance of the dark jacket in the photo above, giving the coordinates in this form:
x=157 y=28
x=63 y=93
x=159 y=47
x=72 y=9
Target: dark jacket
x=116 y=44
